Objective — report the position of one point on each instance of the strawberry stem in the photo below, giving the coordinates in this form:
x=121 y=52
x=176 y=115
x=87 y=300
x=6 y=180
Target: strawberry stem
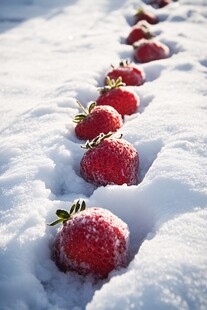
x=82 y=108
x=80 y=117
x=65 y=215
x=93 y=143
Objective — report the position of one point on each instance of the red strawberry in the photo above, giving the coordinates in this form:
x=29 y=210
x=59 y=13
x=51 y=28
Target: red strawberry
x=131 y=75
x=95 y=120
x=159 y=3
x=144 y=15
x=92 y=241
x=110 y=161
x=149 y=50
x=138 y=32
x=120 y=98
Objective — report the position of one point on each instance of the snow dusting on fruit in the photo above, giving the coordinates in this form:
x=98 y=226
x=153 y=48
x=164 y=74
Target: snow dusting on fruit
x=112 y=161
x=93 y=242
x=123 y=100
x=102 y=119
x=131 y=75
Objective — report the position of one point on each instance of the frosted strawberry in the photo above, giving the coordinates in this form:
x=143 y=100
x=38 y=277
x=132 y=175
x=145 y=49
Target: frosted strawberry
x=147 y=16
x=119 y=97
x=131 y=75
x=95 y=120
x=149 y=50
x=138 y=32
x=110 y=161
x=91 y=242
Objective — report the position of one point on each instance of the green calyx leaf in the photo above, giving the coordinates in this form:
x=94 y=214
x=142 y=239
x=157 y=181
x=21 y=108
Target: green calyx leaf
x=77 y=207
x=91 y=107
x=96 y=141
x=83 y=206
x=139 y=11
x=64 y=215
x=93 y=143
x=80 y=117
x=149 y=35
x=55 y=222
x=146 y=30
x=111 y=84
x=124 y=63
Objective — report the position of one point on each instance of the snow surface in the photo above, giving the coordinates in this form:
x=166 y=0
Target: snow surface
x=52 y=53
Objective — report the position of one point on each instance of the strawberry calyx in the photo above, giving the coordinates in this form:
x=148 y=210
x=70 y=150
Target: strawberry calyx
x=93 y=143
x=146 y=30
x=124 y=63
x=64 y=215
x=80 y=117
x=111 y=84
x=148 y=34
x=140 y=11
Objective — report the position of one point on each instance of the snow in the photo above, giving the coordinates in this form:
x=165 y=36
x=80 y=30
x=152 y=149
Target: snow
x=53 y=53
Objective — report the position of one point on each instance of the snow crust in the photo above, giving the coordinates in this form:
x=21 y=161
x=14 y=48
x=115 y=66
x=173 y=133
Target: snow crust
x=53 y=53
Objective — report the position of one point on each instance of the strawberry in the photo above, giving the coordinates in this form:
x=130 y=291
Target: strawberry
x=131 y=75
x=120 y=98
x=144 y=15
x=138 y=32
x=91 y=242
x=95 y=120
x=110 y=161
x=149 y=50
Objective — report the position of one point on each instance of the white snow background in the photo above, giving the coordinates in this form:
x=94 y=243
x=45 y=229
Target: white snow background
x=53 y=53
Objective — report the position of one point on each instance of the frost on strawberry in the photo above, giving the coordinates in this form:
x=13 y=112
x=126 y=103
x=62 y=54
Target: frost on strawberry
x=130 y=75
x=110 y=161
x=138 y=32
x=95 y=120
x=119 y=97
x=145 y=15
x=150 y=50
x=91 y=241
